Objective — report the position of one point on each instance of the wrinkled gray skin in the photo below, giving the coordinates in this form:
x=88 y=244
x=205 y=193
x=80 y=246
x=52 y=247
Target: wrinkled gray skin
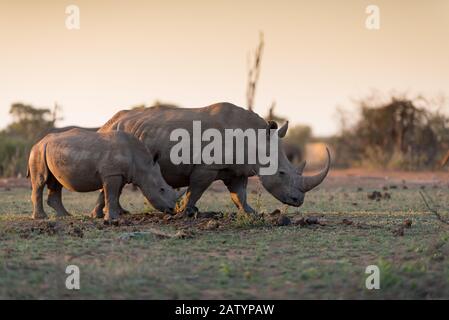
x=292 y=152
x=99 y=208
x=84 y=161
x=154 y=125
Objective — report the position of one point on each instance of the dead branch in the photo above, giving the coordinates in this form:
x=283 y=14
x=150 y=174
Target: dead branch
x=434 y=211
x=444 y=160
x=253 y=74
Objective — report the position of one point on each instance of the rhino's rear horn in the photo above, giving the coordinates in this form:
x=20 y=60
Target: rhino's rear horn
x=308 y=183
x=301 y=167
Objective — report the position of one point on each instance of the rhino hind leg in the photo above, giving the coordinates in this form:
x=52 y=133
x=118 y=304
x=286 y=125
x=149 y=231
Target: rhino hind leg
x=237 y=188
x=38 y=174
x=54 y=199
x=112 y=186
x=36 y=198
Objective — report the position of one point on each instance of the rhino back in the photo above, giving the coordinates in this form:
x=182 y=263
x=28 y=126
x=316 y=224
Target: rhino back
x=79 y=158
x=154 y=125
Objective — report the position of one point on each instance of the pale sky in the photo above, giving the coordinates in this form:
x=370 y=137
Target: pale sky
x=318 y=54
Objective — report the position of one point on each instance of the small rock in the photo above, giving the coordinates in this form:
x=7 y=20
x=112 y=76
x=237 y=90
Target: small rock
x=183 y=234
x=322 y=222
x=283 y=221
x=77 y=232
x=308 y=221
x=212 y=224
x=300 y=222
x=347 y=222
x=312 y=220
x=407 y=223
x=375 y=195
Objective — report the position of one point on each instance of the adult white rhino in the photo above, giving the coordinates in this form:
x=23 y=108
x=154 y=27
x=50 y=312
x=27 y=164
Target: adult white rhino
x=154 y=125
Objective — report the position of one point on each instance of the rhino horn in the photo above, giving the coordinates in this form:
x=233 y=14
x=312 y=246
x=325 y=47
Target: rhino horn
x=301 y=167
x=283 y=130
x=308 y=183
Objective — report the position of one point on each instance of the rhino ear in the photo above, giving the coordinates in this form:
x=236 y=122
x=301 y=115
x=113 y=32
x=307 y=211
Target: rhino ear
x=272 y=125
x=283 y=130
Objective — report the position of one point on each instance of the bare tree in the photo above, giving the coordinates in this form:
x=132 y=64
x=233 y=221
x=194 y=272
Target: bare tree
x=445 y=159
x=56 y=114
x=253 y=73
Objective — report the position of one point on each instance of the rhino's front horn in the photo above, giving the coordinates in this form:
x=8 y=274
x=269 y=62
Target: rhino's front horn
x=308 y=183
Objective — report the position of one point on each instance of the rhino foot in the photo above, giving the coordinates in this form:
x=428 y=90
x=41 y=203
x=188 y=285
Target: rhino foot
x=191 y=211
x=97 y=213
x=187 y=212
x=63 y=214
x=39 y=215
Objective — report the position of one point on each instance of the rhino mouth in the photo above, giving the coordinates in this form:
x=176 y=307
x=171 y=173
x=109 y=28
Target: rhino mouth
x=293 y=201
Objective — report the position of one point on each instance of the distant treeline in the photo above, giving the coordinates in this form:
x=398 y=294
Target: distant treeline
x=394 y=133
x=29 y=124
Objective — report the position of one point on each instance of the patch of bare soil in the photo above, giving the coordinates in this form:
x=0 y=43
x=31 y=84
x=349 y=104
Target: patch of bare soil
x=353 y=177
x=29 y=228
x=138 y=225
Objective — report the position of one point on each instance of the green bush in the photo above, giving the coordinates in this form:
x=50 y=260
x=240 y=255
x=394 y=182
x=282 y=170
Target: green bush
x=13 y=156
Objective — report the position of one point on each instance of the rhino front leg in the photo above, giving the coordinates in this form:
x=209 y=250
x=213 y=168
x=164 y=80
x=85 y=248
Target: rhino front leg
x=97 y=212
x=237 y=188
x=200 y=180
x=112 y=186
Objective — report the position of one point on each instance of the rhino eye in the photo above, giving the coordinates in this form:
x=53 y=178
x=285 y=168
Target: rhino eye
x=162 y=190
x=282 y=173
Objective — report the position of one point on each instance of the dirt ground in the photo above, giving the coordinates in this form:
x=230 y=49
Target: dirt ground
x=320 y=250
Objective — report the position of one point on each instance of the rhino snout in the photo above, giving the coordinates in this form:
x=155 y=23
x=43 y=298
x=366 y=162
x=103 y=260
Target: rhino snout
x=295 y=201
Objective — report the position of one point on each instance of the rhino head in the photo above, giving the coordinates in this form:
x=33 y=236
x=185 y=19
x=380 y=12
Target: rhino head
x=148 y=178
x=288 y=184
